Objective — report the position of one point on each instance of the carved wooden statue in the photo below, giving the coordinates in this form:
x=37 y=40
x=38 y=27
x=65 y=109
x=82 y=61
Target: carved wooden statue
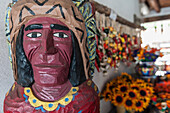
x=52 y=50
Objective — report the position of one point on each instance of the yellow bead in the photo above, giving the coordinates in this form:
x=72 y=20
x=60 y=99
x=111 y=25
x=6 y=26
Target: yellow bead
x=111 y=29
x=109 y=60
x=111 y=35
x=107 y=41
x=111 y=45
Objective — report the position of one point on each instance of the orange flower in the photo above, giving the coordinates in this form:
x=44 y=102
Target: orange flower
x=107 y=95
x=139 y=106
x=123 y=88
x=118 y=100
x=168 y=103
x=143 y=93
x=132 y=94
x=129 y=104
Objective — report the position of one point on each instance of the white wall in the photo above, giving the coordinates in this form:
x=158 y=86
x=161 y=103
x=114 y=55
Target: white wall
x=124 y=8
x=100 y=80
x=6 y=78
x=164 y=11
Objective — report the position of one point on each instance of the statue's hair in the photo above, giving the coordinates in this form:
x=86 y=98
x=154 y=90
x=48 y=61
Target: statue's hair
x=25 y=71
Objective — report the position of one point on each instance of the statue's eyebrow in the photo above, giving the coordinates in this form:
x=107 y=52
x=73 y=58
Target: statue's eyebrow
x=34 y=26
x=59 y=27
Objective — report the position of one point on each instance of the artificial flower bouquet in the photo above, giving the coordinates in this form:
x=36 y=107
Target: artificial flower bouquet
x=147 y=54
x=145 y=58
x=161 y=99
x=133 y=94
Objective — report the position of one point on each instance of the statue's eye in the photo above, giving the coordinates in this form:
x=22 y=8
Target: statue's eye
x=60 y=35
x=34 y=35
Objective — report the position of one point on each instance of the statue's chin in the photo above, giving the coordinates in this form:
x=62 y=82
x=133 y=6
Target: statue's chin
x=48 y=80
x=51 y=76
x=50 y=92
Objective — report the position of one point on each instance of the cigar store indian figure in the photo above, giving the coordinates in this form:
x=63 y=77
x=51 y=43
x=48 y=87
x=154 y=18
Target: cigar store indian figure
x=52 y=51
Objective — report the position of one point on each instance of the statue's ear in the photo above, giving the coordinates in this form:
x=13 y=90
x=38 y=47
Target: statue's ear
x=76 y=74
x=24 y=69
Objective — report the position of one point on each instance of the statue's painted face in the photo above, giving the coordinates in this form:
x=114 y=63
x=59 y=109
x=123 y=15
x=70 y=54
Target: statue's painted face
x=48 y=46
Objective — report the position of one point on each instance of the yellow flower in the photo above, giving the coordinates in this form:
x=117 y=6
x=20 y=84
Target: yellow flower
x=132 y=94
x=107 y=95
x=129 y=104
x=139 y=81
x=135 y=86
x=143 y=93
x=123 y=88
x=120 y=81
x=150 y=91
x=146 y=102
x=110 y=86
x=118 y=100
x=139 y=106
x=126 y=75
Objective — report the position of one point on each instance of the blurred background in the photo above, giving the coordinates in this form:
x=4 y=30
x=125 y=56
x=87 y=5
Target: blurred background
x=148 y=20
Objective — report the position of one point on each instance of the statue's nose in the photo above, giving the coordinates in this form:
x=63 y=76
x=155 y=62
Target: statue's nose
x=48 y=42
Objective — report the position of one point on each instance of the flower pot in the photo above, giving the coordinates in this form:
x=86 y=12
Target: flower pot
x=120 y=109
x=146 y=69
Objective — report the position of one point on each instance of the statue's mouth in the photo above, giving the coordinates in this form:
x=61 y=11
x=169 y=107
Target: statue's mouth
x=50 y=65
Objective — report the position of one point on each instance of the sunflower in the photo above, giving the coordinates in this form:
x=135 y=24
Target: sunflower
x=146 y=102
x=110 y=86
x=125 y=75
x=114 y=80
x=150 y=91
x=132 y=94
x=149 y=84
x=123 y=88
x=118 y=100
x=139 y=106
x=114 y=91
x=135 y=86
x=120 y=81
x=143 y=85
x=107 y=95
x=128 y=103
x=139 y=81
x=143 y=93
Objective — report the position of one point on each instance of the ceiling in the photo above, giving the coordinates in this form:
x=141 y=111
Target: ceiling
x=164 y=3
x=156 y=5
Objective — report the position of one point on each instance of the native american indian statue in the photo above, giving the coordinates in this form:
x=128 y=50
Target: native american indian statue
x=52 y=49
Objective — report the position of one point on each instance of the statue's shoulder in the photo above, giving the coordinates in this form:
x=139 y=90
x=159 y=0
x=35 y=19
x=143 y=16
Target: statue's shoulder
x=15 y=93
x=15 y=101
x=87 y=99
